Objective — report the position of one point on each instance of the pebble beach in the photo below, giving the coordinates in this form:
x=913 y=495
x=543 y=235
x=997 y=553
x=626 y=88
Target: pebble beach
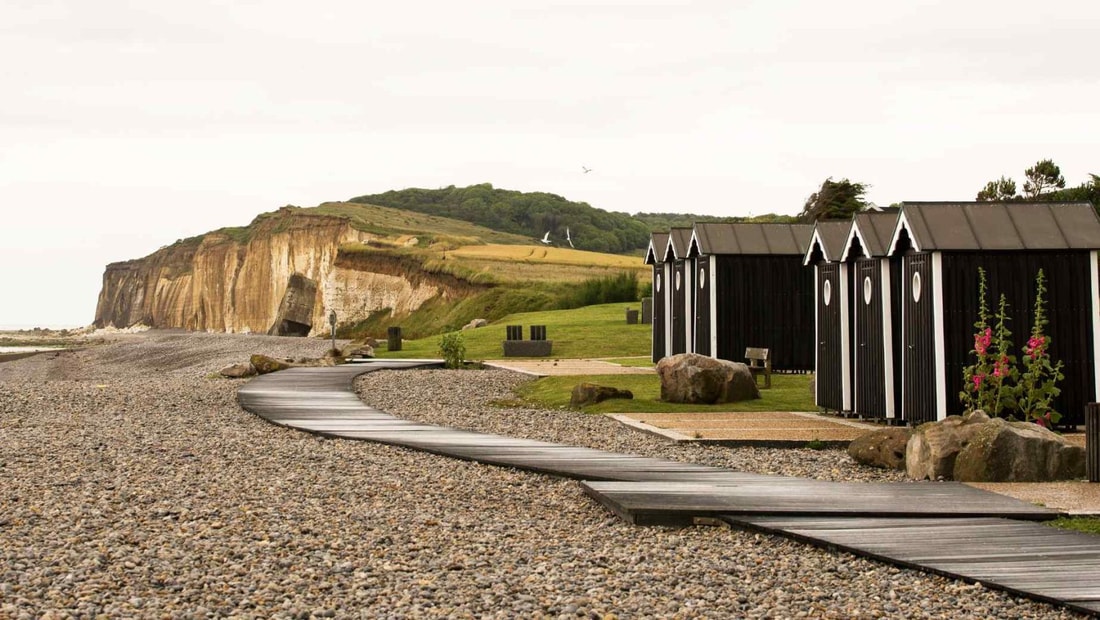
x=133 y=485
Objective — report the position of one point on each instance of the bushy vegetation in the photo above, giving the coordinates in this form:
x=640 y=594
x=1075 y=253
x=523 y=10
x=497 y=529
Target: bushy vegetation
x=453 y=349
x=612 y=289
x=525 y=213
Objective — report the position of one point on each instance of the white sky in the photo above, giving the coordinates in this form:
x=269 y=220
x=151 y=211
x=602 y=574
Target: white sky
x=125 y=126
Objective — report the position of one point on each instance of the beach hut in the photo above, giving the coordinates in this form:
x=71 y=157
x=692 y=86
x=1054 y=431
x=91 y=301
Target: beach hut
x=681 y=314
x=753 y=291
x=655 y=256
x=876 y=333
x=941 y=246
x=833 y=315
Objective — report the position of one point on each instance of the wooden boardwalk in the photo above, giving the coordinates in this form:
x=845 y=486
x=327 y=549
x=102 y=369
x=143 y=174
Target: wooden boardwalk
x=942 y=528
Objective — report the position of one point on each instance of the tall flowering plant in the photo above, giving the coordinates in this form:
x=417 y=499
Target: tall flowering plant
x=1003 y=378
x=1038 y=384
x=976 y=392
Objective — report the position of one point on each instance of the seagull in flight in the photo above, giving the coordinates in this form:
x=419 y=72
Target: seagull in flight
x=586 y=170
x=567 y=238
x=546 y=238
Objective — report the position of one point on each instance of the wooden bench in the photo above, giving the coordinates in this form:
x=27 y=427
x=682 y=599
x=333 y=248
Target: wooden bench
x=760 y=363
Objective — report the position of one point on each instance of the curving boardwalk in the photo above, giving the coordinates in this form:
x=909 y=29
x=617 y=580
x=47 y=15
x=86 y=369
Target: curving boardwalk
x=944 y=528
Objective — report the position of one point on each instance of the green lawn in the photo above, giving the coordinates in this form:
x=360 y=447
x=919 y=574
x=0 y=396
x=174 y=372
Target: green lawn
x=592 y=331
x=788 y=393
x=1089 y=525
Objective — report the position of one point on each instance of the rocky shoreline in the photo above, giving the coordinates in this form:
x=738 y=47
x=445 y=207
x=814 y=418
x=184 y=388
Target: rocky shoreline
x=132 y=485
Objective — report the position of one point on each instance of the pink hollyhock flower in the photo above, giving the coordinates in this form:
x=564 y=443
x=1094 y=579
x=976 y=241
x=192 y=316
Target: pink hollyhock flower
x=978 y=382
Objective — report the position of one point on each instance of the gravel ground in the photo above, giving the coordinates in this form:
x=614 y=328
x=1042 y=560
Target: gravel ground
x=132 y=485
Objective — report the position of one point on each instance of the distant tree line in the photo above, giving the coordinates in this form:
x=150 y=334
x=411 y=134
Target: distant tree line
x=1043 y=182
x=524 y=213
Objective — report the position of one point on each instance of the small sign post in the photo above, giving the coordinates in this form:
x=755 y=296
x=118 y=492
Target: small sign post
x=332 y=327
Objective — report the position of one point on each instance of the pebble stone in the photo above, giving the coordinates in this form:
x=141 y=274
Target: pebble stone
x=132 y=485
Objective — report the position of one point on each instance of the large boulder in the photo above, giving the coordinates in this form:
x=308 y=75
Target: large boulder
x=931 y=451
x=474 y=324
x=693 y=378
x=359 y=350
x=591 y=393
x=1018 y=452
x=884 y=448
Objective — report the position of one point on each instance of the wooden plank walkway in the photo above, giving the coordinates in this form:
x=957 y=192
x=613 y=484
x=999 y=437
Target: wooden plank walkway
x=948 y=530
x=664 y=503
x=1027 y=559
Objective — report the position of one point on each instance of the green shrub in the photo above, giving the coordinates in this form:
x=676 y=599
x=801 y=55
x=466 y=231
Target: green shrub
x=453 y=349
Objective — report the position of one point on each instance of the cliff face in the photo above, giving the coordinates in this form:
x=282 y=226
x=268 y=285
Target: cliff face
x=218 y=283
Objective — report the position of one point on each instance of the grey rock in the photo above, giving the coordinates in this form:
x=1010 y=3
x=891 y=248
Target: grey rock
x=476 y=323
x=1018 y=452
x=591 y=393
x=931 y=451
x=693 y=378
x=238 y=371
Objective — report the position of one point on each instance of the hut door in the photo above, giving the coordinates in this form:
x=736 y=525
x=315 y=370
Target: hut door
x=918 y=380
x=870 y=352
x=678 y=309
x=829 y=350
x=659 y=312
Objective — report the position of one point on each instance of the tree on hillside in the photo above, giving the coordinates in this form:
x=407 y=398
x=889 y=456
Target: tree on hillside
x=835 y=200
x=1042 y=177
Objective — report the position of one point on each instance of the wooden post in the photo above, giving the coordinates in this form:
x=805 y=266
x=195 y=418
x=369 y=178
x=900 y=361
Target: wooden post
x=393 y=338
x=1092 y=441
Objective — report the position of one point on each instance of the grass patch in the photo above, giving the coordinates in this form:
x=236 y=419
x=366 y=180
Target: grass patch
x=1088 y=525
x=788 y=393
x=592 y=331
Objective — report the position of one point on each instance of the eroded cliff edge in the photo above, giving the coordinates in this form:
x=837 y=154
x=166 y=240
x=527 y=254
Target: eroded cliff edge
x=236 y=280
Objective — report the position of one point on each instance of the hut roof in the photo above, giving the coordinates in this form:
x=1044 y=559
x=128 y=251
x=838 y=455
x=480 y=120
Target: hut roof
x=655 y=254
x=872 y=229
x=827 y=241
x=998 y=226
x=679 y=239
x=746 y=238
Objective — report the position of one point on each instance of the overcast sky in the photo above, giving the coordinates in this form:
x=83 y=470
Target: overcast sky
x=125 y=126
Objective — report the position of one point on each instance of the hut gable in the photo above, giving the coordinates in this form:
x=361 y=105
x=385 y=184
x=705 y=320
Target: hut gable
x=655 y=254
x=711 y=238
x=870 y=234
x=827 y=242
x=997 y=226
x=678 y=241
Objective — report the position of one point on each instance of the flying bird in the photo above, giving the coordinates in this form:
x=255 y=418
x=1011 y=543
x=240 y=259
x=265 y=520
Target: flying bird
x=546 y=238
x=586 y=170
x=568 y=238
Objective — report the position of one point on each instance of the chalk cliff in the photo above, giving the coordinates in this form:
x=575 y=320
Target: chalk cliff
x=237 y=280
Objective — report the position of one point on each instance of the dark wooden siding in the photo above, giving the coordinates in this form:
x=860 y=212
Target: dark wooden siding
x=919 y=386
x=660 y=315
x=702 y=306
x=1069 y=309
x=870 y=351
x=829 y=378
x=679 y=293
x=766 y=301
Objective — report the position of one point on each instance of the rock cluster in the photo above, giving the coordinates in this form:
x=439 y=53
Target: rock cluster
x=134 y=486
x=883 y=448
x=975 y=448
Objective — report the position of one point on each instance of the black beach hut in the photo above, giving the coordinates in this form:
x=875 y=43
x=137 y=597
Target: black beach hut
x=655 y=255
x=876 y=333
x=942 y=245
x=753 y=291
x=833 y=316
x=681 y=291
